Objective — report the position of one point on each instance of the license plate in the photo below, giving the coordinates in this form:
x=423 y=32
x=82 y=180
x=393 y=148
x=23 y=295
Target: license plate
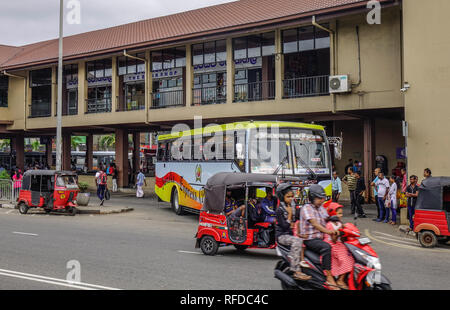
x=364 y=241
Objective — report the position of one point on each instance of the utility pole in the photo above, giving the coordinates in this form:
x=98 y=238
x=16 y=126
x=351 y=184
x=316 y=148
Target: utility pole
x=60 y=80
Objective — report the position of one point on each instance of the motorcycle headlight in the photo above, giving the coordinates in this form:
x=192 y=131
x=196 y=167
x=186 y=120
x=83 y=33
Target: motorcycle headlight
x=374 y=277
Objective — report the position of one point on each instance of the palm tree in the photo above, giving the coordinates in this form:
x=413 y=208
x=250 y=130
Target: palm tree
x=76 y=141
x=4 y=143
x=35 y=145
x=107 y=141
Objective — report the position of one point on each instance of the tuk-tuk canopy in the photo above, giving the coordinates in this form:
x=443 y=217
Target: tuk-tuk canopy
x=215 y=189
x=26 y=181
x=431 y=193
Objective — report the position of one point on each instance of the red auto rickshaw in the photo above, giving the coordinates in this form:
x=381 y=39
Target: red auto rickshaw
x=432 y=214
x=216 y=229
x=50 y=190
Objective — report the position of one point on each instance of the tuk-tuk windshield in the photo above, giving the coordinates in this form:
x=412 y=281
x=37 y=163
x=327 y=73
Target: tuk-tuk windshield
x=67 y=181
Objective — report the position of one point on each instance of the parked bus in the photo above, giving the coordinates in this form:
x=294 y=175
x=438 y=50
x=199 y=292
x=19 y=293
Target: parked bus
x=292 y=149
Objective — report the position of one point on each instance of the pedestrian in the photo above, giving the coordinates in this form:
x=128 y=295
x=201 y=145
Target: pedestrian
x=412 y=192
x=350 y=180
x=336 y=186
x=391 y=203
x=114 y=177
x=427 y=174
x=359 y=195
x=382 y=186
x=375 y=193
x=349 y=165
x=102 y=186
x=97 y=177
x=404 y=180
x=140 y=181
x=17 y=179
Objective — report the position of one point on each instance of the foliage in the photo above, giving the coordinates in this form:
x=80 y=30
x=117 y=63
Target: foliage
x=4 y=175
x=76 y=141
x=107 y=141
x=83 y=186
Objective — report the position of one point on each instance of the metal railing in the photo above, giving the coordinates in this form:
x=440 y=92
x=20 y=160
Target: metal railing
x=98 y=105
x=39 y=108
x=306 y=87
x=7 y=191
x=166 y=99
x=256 y=91
x=209 y=95
x=136 y=102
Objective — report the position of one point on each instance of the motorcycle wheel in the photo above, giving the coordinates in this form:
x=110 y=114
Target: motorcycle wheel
x=382 y=287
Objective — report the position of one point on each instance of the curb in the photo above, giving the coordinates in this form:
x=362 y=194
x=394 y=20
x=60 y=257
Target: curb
x=7 y=206
x=104 y=212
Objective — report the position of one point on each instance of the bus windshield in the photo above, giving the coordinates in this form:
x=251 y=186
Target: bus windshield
x=290 y=150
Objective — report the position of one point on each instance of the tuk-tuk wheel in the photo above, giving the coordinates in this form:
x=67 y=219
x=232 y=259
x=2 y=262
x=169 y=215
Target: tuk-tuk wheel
x=427 y=239
x=23 y=208
x=209 y=245
x=72 y=211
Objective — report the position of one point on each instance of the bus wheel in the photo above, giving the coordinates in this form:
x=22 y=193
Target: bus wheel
x=209 y=245
x=427 y=239
x=176 y=207
x=23 y=208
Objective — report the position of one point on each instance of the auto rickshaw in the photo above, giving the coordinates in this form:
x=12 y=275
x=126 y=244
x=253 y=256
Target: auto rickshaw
x=217 y=230
x=432 y=214
x=50 y=190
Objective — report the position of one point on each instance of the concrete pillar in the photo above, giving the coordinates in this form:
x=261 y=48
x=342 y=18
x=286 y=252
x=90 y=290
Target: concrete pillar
x=18 y=146
x=122 y=157
x=82 y=88
x=115 y=87
x=148 y=84
x=66 y=151
x=189 y=76
x=54 y=97
x=136 y=152
x=90 y=152
x=369 y=153
x=230 y=71
x=279 y=66
x=49 y=151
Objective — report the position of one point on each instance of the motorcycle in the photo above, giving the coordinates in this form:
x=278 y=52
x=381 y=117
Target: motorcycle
x=365 y=275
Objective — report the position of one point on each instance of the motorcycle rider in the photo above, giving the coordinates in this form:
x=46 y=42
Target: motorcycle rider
x=313 y=218
x=285 y=215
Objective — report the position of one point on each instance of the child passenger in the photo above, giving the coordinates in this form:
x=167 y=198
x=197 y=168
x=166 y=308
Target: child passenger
x=341 y=260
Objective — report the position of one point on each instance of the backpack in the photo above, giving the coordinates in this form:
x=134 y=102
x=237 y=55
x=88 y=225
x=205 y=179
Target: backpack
x=103 y=178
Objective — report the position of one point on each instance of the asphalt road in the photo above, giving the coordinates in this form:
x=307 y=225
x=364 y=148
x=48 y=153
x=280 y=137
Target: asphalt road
x=152 y=248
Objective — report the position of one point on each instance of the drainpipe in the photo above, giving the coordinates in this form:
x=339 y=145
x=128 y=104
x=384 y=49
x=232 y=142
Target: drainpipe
x=333 y=40
x=24 y=95
x=146 y=95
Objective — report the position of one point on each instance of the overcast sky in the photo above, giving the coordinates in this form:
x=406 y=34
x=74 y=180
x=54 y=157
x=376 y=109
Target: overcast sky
x=28 y=21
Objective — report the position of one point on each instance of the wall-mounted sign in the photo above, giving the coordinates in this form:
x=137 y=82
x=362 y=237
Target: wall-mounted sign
x=167 y=73
x=222 y=66
x=134 y=77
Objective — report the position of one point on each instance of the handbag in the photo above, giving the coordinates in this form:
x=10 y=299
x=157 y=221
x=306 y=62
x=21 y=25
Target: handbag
x=107 y=194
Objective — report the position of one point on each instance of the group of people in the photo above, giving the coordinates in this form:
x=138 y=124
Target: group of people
x=387 y=192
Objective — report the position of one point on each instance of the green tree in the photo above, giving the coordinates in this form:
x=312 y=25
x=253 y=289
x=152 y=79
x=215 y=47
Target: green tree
x=76 y=141
x=107 y=141
x=4 y=143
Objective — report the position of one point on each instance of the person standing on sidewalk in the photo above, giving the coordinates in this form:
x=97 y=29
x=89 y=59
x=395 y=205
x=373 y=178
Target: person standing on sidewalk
x=350 y=180
x=102 y=185
x=359 y=194
x=412 y=192
x=114 y=178
x=382 y=186
x=336 y=186
x=376 y=172
x=391 y=203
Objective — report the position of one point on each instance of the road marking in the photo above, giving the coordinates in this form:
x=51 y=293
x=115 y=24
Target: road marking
x=24 y=233
x=388 y=235
x=401 y=241
x=9 y=211
x=55 y=281
x=405 y=246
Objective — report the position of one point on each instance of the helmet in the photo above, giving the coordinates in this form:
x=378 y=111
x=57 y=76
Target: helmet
x=332 y=208
x=282 y=189
x=316 y=191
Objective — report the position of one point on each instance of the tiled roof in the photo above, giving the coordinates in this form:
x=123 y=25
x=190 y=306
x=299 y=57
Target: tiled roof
x=209 y=20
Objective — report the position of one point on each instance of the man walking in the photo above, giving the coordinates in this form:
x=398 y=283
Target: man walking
x=382 y=186
x=412 y=192
x=375 y=193
x=359 y=192
x=102 y=183
x=350 y=180
x=336 y=186
x=140 y=181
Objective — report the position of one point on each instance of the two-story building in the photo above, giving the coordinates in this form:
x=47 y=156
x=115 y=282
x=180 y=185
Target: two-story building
x=246 y=60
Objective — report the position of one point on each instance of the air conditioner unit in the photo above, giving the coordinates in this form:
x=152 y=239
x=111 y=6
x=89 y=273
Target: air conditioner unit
x=339 y=84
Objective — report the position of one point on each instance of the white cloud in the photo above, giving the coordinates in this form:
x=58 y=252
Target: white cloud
x=28 y=21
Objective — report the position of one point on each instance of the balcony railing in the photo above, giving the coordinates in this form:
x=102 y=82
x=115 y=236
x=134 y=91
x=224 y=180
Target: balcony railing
x=166 y=99
x=209 y=95
x=306 y=87
x=257 y=91
x=132 y=103
x=39 y=108
x=98 y=105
